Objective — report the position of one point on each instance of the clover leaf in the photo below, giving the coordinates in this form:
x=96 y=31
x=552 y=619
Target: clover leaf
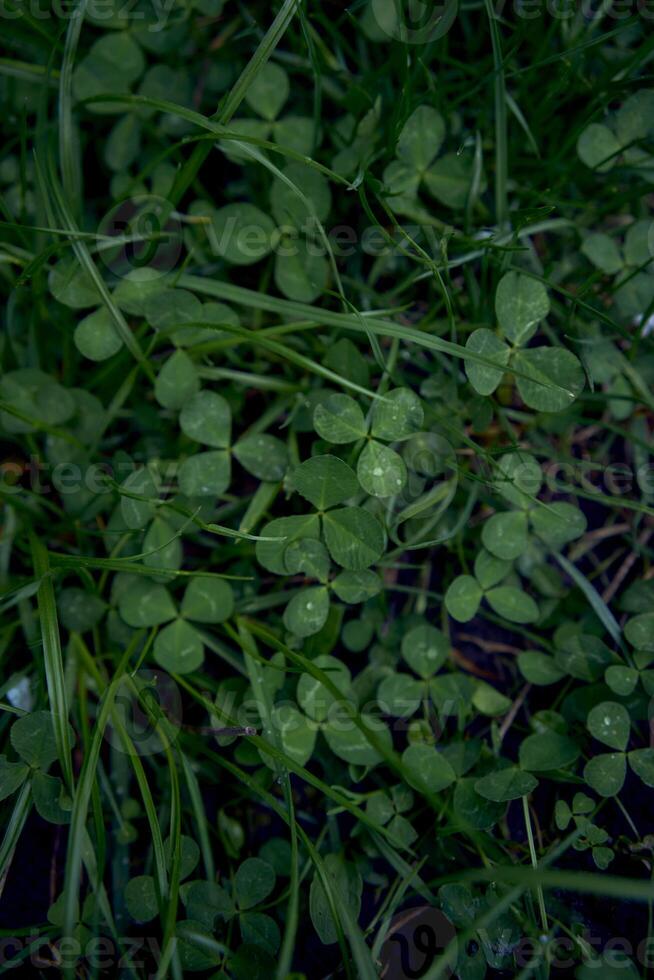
x=448 y=179
x=465 y=593
x=396 y=415
x=549 y=379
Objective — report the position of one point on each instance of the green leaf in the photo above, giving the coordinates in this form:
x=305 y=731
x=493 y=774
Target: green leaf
x=483 y=377
x=208 y=600
x=205 y=474
x=325 y=481
x=425 y=649
x=287 y=206
x=505 y=535
x=258 y=929
x=72 y=285
x=538 y=668
x=301 y=273
x=637 y=249
x=205 y=900
x=168 y=553
x=207 y=418
x=271 y=554
x=307 y=611
x=268 y=91
x=339 y=420
x=316 y=700
x=138 y=513
x=96 y=336
x=606 y=773
x=177 y=382
x=398 y=416
x=597 y=147
x=474 y=809
x=348 y=742
x=178 y=648
x=547 y=750
x=621 y=680
x=558 y=523
x=381 y=471
x=145 y=604
x=113 y=63
x=603 y=252
x=400 y=695
x=141 y=898
x=520 y=304
x=642 y=763
x=264 y=456
x=168 y=308
x=489 y=701
x=80 y=610
x=609 y=723
x=462 y=598
x=506 y=784
x=421 y=137
x=554 y=377
x=253 y=882
x=354 y=537
x=640 y=632
x=32 y=736
x=346 y=886
x=490 y=570
x=426 y=769
x=513 y=604
x=298 y=736
x=518 y=478
x=309 y=557
x=50 y=800
x=634 y=117
x=353 y=587
x=242 y=234
x=12 y=776
x=189 y=854
x=450 y=178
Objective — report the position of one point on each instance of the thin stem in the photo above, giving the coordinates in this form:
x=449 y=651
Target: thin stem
x=534 y=862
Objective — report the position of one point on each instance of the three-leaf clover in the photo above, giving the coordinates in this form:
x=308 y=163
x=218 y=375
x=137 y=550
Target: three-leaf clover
x=591 y=836
x=178 y=647
x=387 y=809
x=518 y=480
x=300 y=201
x=466 y=592
x=548 y=378
x=32 y=737
x=448 y=178
x=395 y=416
x=253 y=881
x=353 y=535
x=322 y=711
x=633 y=288
x=425 y=649
x=609 y=723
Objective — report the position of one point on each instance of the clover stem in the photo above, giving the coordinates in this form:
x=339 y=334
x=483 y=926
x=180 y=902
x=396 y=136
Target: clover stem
x=534 y=864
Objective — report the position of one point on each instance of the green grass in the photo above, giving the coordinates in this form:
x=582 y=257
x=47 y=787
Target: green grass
x=326 y=558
